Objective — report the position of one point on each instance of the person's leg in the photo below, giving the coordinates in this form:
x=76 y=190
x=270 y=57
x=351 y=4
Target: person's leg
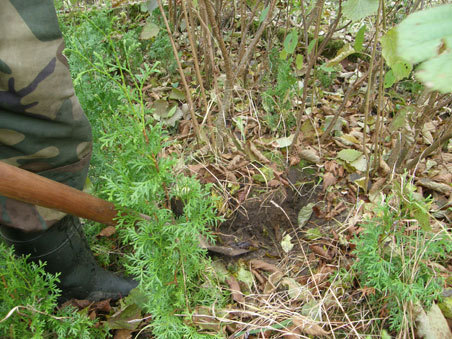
x=43 y=129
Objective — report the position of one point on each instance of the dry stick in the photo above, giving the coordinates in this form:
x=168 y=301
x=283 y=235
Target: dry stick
x=208 y=41
x=380 y=112
x=243 y=25
x=399 y=152
x=197 y=71
x=245 y=29
x=369 y=89
x=436 y=144
x=210 y=56
x=430 y=108
x=305 y=256
x=331 y=29
x=249 y=51
x=227 y=60
x=305 y=24
x=312 y=57
x=351 y=88
x=403 y=149
x=182 y=75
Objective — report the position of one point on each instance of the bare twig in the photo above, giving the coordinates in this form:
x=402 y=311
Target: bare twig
x=435 y=145
x=182 y=75
x=370 y=84
x=249 y=51
x=196 y=62
x=311 y=57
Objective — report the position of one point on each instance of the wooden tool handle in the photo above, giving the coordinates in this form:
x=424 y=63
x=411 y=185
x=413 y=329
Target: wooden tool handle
x=28 y=187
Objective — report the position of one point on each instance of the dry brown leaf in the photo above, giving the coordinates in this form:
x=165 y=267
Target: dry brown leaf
x=274 y=183
x=294 y=333
x=258 y=153
x=377 y=185
x=123 y=334
x=79 y=303
x=204 y=319
x=328 y=180
x=436 y=186
x=241 y=195
x=331 y=166
x=444 y=177
x=273 y=281
x=367 y=291
x=236 y=293
x=338 y=209
x=232 y=165
x=230 y=177
x=308 y=326
x=258 y=276
x=227 y=156
x=319 y=278
x=92 y=315
x=107 y=231
x=195 y=168
x=103 y=306
x=294 y=160
x=384 y=167
x=319 y=250
x=310 y=155
x=260 y=264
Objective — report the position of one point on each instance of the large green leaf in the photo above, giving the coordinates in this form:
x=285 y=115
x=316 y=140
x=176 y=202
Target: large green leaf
x=422 y=34
x=436 y=73
x=290 y=43
x=150 y=30
x=426 y=37
x=358 y=9
x=400 y=68
x=389 y=47
x=349 y=155
x=359 y=39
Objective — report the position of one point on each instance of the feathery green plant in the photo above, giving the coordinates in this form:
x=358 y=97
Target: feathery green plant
x=394 y=253
x=28 y=300
x=164 y=252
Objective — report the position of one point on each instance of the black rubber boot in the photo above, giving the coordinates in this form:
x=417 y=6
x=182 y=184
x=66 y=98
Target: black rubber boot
x=65 y=249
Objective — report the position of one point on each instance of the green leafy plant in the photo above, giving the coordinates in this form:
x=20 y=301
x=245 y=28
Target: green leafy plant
x=277 y=99
x=163 y=251
x=394 y=253
x=28 y=300
x=160 y=50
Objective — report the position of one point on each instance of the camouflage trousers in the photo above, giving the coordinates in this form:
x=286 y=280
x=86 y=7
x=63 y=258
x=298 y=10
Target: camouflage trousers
x=42 y=126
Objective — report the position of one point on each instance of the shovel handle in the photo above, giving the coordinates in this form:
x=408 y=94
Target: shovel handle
x=18 y=184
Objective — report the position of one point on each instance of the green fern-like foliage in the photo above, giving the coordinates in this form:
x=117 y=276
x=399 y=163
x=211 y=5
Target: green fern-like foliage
x=128 y=168
x=28 y=303
x=393 y=255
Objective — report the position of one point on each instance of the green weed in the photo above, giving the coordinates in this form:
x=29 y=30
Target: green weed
x=394 y=253
x=28 y=300
x=277 y=100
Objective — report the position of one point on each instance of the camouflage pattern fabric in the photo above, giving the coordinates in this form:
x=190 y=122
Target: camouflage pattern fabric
x=42 y=127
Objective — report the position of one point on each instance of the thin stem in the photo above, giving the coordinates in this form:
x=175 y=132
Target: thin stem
x=196 y=62
x=369 y=90
x=182 y=75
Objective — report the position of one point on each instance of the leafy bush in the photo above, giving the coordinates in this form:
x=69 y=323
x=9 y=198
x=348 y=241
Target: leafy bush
x=28 y=300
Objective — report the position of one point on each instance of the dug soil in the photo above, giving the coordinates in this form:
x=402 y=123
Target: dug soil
x=262 y=223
